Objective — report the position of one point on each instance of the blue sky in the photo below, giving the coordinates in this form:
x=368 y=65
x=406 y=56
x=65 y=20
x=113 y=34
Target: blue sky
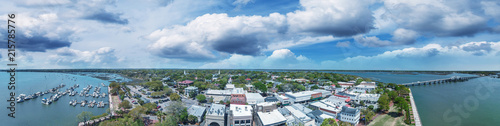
x=256 y=34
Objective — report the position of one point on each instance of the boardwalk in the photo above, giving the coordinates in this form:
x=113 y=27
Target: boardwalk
x=415 y=112
x=438 y=81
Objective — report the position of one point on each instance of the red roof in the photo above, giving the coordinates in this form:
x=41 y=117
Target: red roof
x=347 y=100
x=348 y=105
x=186 y=82
x=248 y=79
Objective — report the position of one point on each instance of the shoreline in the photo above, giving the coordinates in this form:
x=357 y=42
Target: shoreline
x=415 y=111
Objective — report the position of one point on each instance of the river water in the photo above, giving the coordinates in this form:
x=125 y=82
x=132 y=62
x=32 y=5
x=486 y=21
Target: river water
x=471 y=103
x=59 y=113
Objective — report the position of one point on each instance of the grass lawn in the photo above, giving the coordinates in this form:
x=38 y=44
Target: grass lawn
x=390 y=119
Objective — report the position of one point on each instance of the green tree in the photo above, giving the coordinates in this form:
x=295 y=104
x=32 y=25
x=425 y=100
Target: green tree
x=392 y=95
x=362 y=103
x=314 y=87
x=170 y=120
x=383 y=102
x=84 y=116
x=329 y=122
x=260 y=86
x=125 y=104
x=175 y=97
x=137 y=111
x=192 y=119
x=371 y=107
x=201 y=97
x=150 y=106
x=192 y=94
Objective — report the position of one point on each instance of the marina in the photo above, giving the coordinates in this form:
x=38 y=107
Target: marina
x=34 y=112
x=56 y=95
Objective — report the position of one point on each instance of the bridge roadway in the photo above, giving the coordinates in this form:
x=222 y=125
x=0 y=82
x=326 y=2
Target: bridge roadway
x=438 y=81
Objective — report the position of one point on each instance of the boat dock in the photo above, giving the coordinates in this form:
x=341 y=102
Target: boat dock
x=416 y=117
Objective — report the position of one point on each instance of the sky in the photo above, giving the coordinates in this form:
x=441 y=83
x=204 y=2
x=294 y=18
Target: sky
x=255 y=34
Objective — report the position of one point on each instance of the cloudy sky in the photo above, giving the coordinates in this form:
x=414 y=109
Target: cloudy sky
x=255 y=34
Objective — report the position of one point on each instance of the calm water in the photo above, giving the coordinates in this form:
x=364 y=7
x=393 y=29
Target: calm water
x=32 y=112
x=472 y=103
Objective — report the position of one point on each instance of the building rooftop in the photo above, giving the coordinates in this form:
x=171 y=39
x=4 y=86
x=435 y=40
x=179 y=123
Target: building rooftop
x=367 y=83
x=238 y=91
x=350 y=110
x=217 y=110
x=298 y=114
x=196 y=110
x=241 y=110
x=218 y=92
x=301 y=94
x=302 y=108
x=269 y=118
x=271 y=99
x=191 y=88
x=254 y=96
x=229 y=86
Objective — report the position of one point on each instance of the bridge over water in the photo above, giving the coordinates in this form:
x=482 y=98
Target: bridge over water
x=439 y=81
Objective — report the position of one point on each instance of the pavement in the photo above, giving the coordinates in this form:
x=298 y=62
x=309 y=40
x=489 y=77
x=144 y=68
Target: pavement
x=415 y=112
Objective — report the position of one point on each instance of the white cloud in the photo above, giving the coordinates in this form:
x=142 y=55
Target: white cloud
x=429 y=57
x=246 y=35
x=371 y=41
x=279 y=59
x=102 y=57
x=332 y=17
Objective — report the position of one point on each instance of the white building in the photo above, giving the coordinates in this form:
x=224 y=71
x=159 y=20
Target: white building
x=299 y=117
x=350 y=115
x=268 y=115
x=324 y=93
x=302 y=96
x=190 y=89
x=254 y=98
x=240 y=115
x=229 y=86
x=284 y=99
x=216 y=115
x=363 y=88
x=197 y=111
x=327 y=107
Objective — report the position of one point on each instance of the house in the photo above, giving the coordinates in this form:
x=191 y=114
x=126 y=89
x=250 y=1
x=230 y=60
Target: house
x=363 y=88
x=254 y=98
x=303 y=96
x=327 y=107
x=185 y=83
x=299 y=117
x=197 y=111
x=301 y=80
x=350 y=115
x=218 y=95
x=368 y=83
x=238 y=96
x=216 y=115
x=229 y=86
x=284 y=99
x=324 y=93
x=318 y=116
x=271 y=99
x=268 y=115
x=188 y=90
x=240 y=115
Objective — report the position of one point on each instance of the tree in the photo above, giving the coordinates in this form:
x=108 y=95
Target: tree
x=150 y=106
x=192 y=119
x=84 y=116
x=383 y=102
x=201 y=97
x=314 y=87
x=371 y=107
x=221 y=102
x=329 y=122
x=260 y=86
x=170 y=120
x=125 y=104
x=175 y=97
x=184 y=115
x=192 y=94
x=362 y=103
x=392 y=95
x=168 y=91
x=137 y=111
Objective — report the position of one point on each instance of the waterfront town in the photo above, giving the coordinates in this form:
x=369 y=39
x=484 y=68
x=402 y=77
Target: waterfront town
x=253 y=98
